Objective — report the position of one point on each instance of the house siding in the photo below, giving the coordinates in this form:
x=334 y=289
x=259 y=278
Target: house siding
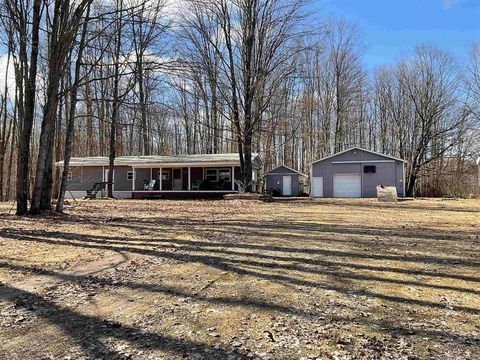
x=140 y=176
x=387 y=173
x=84 y=177
x=120 y=181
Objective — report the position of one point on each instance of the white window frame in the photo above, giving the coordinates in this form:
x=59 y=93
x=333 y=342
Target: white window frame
x=210 y=176
x=226 y=170
x=69 y=176
x=166 y=174
x=130 y=175
x=217 y=174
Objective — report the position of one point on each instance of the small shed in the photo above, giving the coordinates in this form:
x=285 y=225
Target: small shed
x=285 y=181
x=356 y=173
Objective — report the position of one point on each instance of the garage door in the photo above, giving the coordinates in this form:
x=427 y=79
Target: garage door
x=317 y=186
x=347 y=185
x=287 y=186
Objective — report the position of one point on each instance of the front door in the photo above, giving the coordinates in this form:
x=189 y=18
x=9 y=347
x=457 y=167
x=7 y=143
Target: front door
x=317 y=186
x=177 y=179
x=287 y=186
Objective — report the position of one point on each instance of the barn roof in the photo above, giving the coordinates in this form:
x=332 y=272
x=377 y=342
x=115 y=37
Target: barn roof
x=361 y=149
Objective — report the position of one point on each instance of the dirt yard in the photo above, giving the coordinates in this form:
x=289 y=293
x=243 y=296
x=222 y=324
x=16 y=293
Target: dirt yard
x=120 y=279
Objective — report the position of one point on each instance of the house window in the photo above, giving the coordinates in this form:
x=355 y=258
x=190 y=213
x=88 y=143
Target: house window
x=215 y=175
x=69 y=176
x=129 y=175
x=224 y=174
x=165 y=174
x=211 y=175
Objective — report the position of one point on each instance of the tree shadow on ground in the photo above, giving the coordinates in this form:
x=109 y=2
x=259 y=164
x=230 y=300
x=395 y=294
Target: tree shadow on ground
x=242 y=227
x=312 y=252
x=241 y=266
x=268 y=260
x=402 y=205
x=88 y=331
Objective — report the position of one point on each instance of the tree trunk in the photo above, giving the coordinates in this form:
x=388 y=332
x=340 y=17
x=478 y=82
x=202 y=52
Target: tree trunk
x=115 y=103
x=412 y=179
x=70 y=130
x=27 y=109
x=42 y=189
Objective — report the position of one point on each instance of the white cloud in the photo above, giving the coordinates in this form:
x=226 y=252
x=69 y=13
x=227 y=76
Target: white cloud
x=448 y=4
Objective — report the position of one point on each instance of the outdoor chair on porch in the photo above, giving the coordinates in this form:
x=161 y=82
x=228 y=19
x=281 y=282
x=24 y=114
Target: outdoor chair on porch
x=196 y=184
x=149 y=185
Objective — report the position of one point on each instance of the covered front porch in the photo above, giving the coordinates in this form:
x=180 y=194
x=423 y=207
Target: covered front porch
x=148 y=181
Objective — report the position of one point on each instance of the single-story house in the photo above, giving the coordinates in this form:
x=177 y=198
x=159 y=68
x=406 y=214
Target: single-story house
x=144 y=176
x=356 y=173
x=285 y=181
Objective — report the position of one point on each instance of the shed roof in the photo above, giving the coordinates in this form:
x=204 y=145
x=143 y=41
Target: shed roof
x=361 y=149
x=289 y=170
x=229 y=158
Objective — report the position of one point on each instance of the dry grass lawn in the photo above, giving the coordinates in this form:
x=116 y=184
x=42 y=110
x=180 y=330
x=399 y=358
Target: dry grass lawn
x=327 y=279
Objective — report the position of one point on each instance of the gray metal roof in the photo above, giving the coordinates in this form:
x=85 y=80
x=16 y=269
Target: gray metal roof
x=154 y=159
x=361 y=149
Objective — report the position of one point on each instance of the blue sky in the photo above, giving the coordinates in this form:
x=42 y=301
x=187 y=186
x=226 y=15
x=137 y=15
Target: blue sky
x=392 y=28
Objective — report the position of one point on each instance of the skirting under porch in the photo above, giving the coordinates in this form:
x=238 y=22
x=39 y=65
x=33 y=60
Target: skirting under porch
x=174 y=194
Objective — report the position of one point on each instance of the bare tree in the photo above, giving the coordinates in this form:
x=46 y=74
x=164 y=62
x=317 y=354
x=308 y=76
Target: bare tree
x=25 y=17
x=430 y=82
x=66 y=20
x=72 y=110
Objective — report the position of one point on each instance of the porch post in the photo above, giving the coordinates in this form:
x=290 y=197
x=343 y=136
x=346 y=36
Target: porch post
x=133 y=178
x=189 y=178
x=233 y=178
x=161 y=177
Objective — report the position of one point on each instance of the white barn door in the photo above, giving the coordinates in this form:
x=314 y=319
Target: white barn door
x=317 y=186
x=347 y=185
x=287 y=186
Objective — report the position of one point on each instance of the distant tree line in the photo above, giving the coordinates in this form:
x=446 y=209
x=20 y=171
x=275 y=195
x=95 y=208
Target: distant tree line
x=141 y=77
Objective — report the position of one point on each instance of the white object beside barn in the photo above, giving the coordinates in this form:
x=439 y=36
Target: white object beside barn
x=387 y=193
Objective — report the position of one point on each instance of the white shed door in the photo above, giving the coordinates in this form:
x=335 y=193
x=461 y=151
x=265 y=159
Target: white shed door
x=287 y=185
x=317 y=186
x=347 y=185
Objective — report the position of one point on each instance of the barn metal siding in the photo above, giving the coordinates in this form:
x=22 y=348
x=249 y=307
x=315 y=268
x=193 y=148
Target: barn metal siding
x=357 y=155
x=387 y=173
